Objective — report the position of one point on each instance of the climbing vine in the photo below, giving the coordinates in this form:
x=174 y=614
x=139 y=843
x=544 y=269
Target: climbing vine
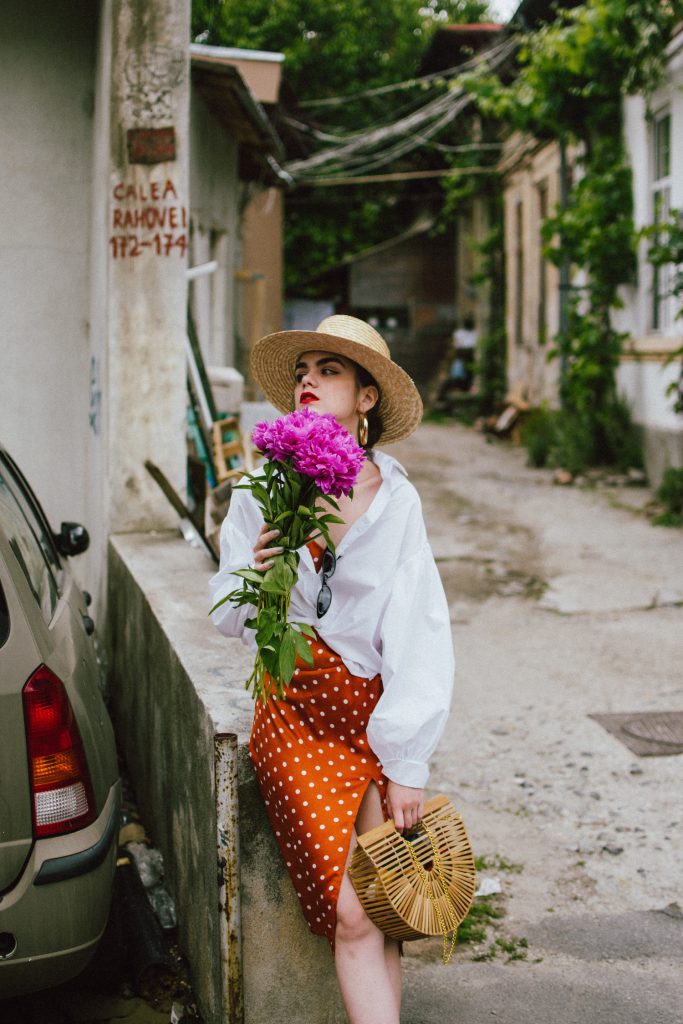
x=667 y=251
x=569 y=86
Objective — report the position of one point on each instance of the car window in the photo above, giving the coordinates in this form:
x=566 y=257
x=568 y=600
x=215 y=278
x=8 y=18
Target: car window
x=34 y=514
x=4 y=617
x=23 y=530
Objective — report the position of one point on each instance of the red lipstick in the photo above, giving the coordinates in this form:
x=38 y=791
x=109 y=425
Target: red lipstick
x=306 y=397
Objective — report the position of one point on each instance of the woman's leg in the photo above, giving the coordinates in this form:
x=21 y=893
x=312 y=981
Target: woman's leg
x=366 y=961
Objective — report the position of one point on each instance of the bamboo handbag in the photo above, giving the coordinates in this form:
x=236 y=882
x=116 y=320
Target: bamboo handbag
x=418 y=885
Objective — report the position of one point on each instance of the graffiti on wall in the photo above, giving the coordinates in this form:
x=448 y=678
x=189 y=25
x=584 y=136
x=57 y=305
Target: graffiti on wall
x=147 y=218
x=95 y=405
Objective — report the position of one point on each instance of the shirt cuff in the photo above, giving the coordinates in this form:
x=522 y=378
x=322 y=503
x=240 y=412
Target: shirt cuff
x=407 y=773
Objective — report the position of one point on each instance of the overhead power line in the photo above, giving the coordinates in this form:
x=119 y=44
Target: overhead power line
x=364 y=179
x=375 y=148
x=381 y=90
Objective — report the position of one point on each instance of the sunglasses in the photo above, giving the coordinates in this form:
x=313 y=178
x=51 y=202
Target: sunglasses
x=325 y=594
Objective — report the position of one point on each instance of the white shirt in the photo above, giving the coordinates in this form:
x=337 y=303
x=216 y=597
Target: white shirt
x=388 y=614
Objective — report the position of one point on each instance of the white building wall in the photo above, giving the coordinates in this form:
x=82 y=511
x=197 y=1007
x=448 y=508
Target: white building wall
x=47 y=61
x=646 y=371
x=214 y=191
x=92 y=375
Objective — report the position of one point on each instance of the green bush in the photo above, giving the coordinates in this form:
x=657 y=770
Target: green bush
x=619 y=439
x=574 y=447
x=538 y=434
x=564 y=438
x=670 y=495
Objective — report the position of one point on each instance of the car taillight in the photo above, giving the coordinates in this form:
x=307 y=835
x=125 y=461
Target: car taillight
x=61 y=789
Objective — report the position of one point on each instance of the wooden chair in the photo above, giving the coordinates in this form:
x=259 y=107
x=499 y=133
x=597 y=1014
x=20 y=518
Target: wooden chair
x=232 y=455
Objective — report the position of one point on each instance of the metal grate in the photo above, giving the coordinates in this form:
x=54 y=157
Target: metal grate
x=646 y=733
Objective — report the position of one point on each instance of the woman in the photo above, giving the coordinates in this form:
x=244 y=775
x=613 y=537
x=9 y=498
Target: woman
x=350 y=744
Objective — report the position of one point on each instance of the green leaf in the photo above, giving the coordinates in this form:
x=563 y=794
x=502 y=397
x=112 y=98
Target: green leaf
x=279 y=579
x=302 y=648
x=292 y=560
x=249 y=574
x=264 y=632
x=287 y=658
x=270 y=659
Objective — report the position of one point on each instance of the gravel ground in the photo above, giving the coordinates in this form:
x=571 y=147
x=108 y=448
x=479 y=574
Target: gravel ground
x=566 y=602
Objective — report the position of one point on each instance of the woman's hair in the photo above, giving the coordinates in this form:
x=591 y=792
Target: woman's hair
x=366 y=380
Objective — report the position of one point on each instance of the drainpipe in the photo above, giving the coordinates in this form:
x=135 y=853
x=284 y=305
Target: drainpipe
x=230 y=928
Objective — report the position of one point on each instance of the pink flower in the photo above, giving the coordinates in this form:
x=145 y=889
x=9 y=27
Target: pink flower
x=316 y=446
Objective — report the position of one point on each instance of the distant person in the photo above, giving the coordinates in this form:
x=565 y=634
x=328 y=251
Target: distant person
x=349 y=745
x=461 y=372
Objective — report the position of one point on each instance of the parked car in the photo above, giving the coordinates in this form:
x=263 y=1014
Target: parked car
x=59 y=779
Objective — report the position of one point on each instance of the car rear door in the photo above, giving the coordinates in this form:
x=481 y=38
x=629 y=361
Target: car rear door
x=20 y=602
x=48 y=626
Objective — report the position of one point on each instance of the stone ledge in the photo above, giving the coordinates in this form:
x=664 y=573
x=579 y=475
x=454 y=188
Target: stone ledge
x=183 y=719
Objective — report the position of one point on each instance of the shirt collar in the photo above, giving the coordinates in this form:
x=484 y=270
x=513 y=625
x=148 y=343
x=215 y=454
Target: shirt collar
x=392 y=473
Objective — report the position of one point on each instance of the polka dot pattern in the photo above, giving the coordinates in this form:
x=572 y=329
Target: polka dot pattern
x=313 y=774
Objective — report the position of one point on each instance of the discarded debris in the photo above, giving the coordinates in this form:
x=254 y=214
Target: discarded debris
x=489 y=887
x=673 y=910
x=150 y=867
x=150 y=967
x=562 y=477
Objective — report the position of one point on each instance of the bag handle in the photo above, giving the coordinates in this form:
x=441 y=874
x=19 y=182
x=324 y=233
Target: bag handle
x=426 y=879
x=387 y=827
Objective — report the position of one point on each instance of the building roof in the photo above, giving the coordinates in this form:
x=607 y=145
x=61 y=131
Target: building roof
x=453 y=44
x=234 y=105
x=260 y=69
x=230 y=54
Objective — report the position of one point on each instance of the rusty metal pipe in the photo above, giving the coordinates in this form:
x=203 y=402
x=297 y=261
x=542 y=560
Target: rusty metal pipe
x=227 y=841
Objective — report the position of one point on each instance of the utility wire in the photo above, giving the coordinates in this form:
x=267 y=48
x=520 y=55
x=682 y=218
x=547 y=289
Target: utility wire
x=365 y=179
x=409 y=83
x=403 y=135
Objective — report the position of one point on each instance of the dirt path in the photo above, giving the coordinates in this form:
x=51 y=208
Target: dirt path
x=565 y=603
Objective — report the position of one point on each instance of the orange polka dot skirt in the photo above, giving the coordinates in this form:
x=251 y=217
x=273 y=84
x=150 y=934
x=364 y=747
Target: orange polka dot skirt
x=313 y=764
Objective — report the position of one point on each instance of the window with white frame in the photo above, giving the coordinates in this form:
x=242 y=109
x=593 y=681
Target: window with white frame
x=662 y=278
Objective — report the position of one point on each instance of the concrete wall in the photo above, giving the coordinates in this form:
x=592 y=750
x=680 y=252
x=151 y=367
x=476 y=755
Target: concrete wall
x=215 y=227
x=531 y=324
x=645 y=373
x=47 y=65
x=183 y=719
x=147 y=244
x=262 y=252
x=92 y=315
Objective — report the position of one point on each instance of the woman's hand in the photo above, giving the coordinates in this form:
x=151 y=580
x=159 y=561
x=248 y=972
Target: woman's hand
x=262 y=552
x=405 y=805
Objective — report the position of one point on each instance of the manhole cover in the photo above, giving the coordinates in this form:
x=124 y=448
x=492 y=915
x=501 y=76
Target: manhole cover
x=661 y=728
x=646 y=733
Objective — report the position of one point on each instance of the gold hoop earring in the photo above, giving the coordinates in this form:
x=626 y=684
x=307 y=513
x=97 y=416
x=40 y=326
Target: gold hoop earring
x=362 y=430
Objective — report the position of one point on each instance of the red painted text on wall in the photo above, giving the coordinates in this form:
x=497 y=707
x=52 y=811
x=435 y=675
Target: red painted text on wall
x=145 y=218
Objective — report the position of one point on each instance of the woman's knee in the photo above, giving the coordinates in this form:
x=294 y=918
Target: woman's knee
x=353 y=924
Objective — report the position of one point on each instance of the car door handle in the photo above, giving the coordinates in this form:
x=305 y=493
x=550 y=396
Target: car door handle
x=88 y=624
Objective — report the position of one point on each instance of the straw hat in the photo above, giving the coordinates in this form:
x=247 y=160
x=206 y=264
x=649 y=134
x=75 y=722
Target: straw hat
x=273 y=359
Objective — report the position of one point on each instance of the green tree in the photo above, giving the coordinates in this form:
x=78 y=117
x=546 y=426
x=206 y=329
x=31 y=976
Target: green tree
x=338 y=48
x=573 y=74
x=332 y=47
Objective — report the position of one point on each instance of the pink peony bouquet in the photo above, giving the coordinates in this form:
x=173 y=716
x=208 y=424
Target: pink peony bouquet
x=310 y=458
